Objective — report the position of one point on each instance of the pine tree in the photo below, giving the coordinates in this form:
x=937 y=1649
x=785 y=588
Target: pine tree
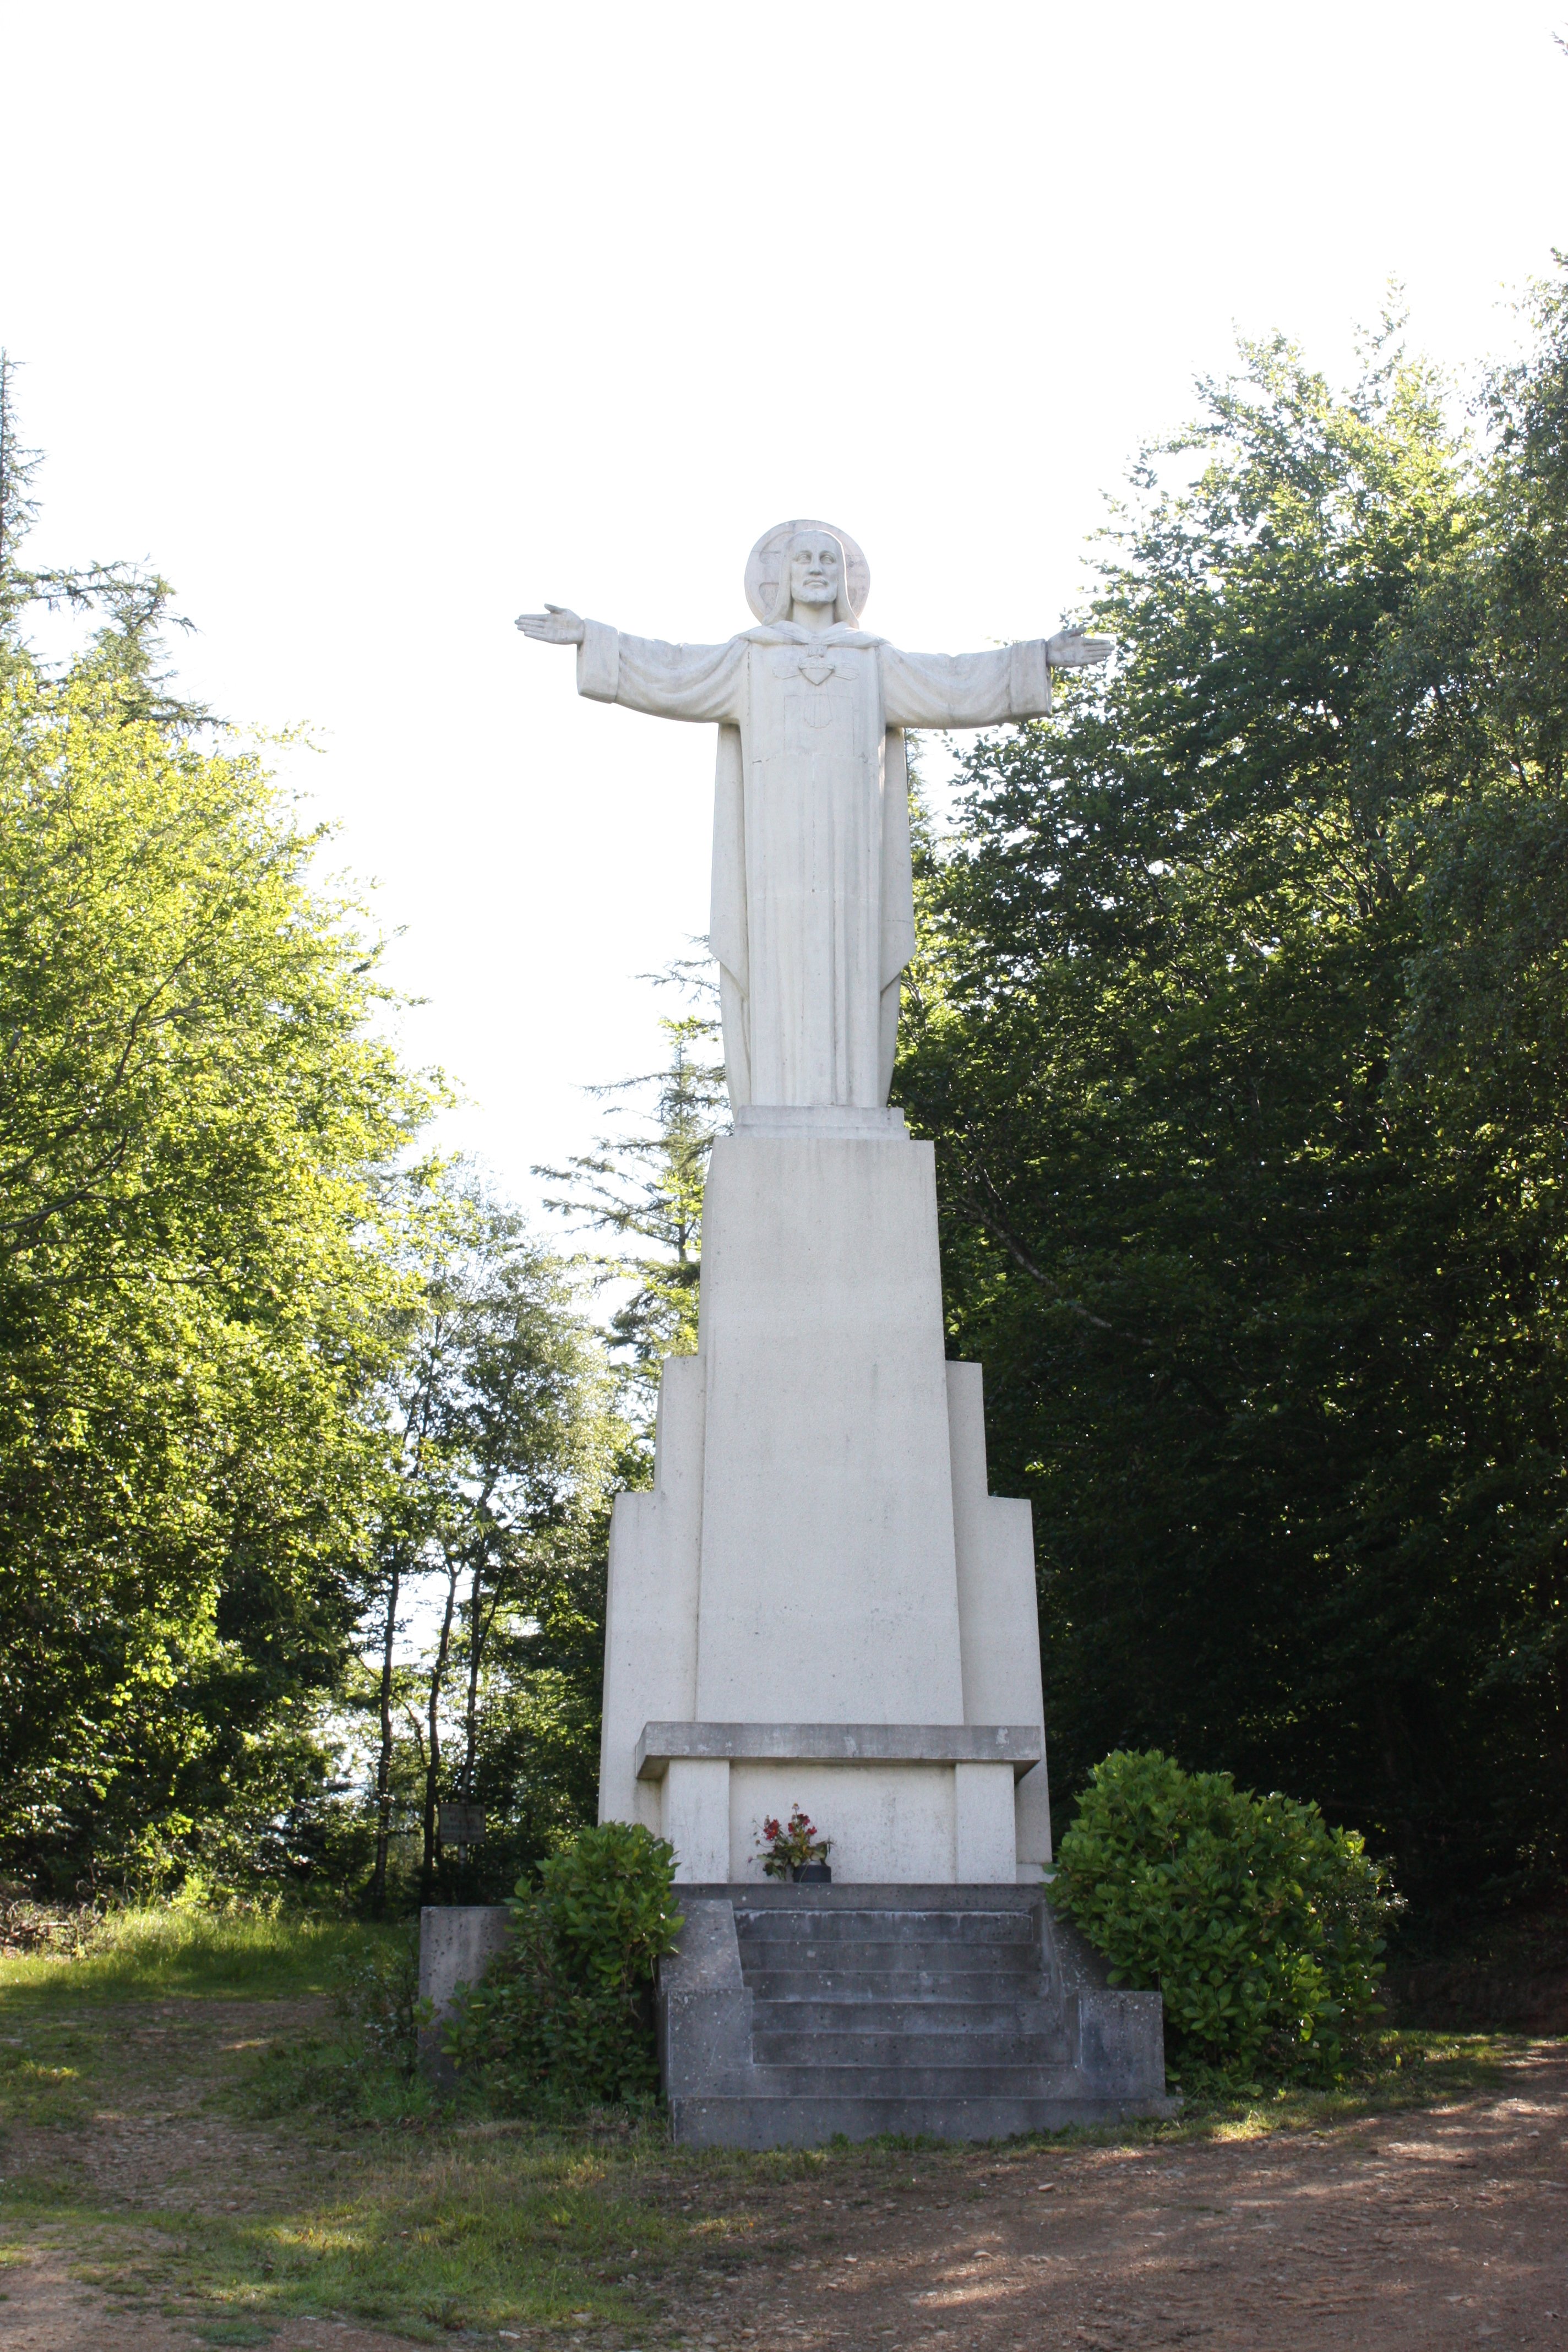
x=646 y=1187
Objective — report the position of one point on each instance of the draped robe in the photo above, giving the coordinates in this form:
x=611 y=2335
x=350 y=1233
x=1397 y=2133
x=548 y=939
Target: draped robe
x=813 y=905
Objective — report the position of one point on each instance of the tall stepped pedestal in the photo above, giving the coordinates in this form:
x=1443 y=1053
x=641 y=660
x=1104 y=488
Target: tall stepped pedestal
x=966 y=2012
x=820 y=1604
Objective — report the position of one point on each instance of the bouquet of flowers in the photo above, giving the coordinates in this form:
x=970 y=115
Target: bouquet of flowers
x=788 y=1851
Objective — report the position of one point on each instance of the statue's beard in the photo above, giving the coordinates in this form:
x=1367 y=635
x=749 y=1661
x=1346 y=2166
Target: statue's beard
x=783 y=598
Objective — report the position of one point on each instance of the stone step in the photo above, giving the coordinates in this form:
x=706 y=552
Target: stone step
x=810 y=1925
x=869 y=2013
x=890 y=1984
x=1007 y=2053
x=891 y=2010
x=839 y=1952
x=904 y=2078
x=811 y=2121
x=880 y=1927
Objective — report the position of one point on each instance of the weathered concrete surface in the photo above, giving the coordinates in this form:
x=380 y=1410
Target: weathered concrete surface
x=819 y=1592
x=703 y=2009
x=829 y=1580
x=997 y=1610
x=964 y=2011
x=458 y=1942
x=1022 y=1745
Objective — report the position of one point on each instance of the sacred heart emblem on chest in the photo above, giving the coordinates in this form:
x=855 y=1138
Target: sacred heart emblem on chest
x=816 y=673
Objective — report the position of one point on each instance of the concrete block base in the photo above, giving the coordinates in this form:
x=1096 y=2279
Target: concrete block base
x=458 y=1942
x=812 y=2123
x=820 y=1602
x=792 y=2013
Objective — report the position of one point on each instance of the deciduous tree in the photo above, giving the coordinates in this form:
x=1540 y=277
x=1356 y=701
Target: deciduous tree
x=1239 y=1026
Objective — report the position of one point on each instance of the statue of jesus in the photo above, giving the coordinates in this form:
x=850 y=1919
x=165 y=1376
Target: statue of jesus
x=813 y=907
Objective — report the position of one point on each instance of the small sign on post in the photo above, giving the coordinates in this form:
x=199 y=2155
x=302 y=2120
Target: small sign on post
x=462 y=1824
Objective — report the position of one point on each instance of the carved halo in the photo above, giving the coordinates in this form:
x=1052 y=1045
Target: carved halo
x=766 y=560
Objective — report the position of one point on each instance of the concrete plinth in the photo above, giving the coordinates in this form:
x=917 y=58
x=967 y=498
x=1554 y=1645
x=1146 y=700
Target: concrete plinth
x=791 y=2014
x=458 y=1942
x=820 y=1550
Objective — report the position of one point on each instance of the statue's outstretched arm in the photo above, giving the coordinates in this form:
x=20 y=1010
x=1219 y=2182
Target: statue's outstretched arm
x=1070 y=649
x=558 y=624
x=697 y=682
x=986 y=689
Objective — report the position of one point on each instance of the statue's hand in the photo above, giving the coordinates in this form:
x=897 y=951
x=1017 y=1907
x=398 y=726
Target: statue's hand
x=1070 y=649
x=556 y=626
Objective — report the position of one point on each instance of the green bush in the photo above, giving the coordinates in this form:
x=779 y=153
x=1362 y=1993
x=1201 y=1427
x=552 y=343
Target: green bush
x=565 y=2016
x=1259 y=1925
x=365 y=2067
x=375 y=1993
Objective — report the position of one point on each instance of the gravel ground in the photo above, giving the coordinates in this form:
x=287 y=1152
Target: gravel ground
x=1420 y=2229
x=1442 y=2228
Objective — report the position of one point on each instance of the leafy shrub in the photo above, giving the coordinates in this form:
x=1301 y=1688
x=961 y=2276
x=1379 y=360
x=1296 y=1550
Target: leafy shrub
x=1259 y=1925
x=366 y=2066
x=563 y=2017
x=375 y=1993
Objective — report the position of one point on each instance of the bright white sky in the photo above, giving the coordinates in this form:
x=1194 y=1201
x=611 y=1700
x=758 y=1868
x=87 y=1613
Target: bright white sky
x=371 y=324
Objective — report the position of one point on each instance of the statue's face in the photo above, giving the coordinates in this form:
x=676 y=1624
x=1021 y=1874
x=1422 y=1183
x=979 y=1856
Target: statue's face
x=815 y=573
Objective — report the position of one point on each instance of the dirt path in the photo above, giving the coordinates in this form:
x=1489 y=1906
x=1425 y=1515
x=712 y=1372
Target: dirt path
x=150 y=2139
x=1422 y=2230
x=151 y=2068
x=1446 y=2228
x=50 y=2310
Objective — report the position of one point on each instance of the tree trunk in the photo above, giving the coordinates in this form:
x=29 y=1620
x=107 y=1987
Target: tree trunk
x=432 y=1749
x=384 y=1761
x=476 y=1645
x=478 y=1628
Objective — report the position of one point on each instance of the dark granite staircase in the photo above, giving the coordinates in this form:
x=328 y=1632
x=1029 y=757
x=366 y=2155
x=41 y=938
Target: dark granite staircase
x=791 y=2013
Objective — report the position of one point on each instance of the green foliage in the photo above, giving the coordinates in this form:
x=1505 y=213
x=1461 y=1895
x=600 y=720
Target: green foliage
x=258 y=1950
x=1260 y=1925
x=607 y=1896
x=1239 y=1027
x=502 y=1405
x=261 y=1369
x=200 y=1222
x=647 y=1188
x=375 y=1995
x=563 y=2017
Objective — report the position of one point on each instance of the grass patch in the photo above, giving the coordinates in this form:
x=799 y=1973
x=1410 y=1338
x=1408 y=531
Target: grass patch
x=1410 y=2069
x=509 y=2235
x=323 y=2074
x=486 y=2229
x=427 y=2217
x=42 y=2076
x=158 y=1950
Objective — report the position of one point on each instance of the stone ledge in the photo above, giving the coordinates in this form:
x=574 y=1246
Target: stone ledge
x=820 y=1123
x=941 y=1895
x=812 y=2122
x=1020 y=1745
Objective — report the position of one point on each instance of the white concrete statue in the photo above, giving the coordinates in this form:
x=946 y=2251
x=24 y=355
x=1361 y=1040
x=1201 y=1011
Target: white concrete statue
x=813 y=907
